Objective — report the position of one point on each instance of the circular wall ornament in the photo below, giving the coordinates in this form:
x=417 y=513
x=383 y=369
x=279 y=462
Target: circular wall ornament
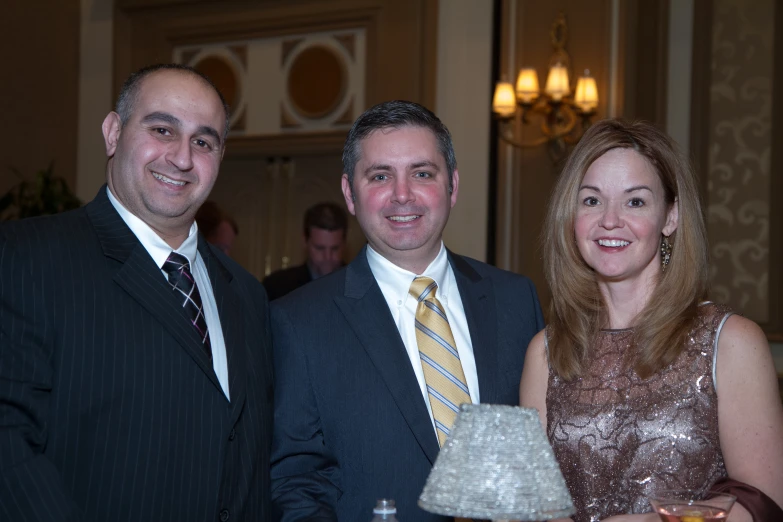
x=317 y=81
x=223 y=75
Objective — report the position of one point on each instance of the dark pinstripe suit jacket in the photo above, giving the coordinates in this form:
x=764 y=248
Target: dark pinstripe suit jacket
x=109 y=408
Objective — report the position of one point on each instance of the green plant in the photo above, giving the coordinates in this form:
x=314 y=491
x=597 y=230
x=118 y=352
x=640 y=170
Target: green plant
x=44 y=194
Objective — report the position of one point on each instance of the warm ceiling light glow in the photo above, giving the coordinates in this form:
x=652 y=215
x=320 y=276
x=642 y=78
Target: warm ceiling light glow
x=527 y=85
x=586 y=96
x=557 y=82
x=503 y=103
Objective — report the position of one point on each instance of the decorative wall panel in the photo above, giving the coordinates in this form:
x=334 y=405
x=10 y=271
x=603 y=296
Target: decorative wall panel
x=290 y=84
x=738 y=172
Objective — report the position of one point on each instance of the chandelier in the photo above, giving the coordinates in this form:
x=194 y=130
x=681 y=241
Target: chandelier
x=563 y=117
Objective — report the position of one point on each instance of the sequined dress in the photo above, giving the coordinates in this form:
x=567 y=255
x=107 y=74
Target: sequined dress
x=619 y=438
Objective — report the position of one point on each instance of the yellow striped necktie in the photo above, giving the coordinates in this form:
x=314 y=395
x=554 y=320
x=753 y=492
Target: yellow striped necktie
x=446 y=385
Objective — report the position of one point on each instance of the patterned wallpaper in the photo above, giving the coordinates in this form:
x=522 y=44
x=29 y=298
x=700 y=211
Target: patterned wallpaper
x=738 y=197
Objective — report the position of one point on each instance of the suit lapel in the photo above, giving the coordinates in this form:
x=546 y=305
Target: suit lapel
x=478 y=300
x=142 y=279
x=365 y=309
x=232 y=324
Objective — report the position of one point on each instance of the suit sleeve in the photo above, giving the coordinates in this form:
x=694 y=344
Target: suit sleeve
x=305 y=475
x=31 y=488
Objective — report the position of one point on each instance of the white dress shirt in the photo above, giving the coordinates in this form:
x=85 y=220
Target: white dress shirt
x=160 y=250
x=395 y=282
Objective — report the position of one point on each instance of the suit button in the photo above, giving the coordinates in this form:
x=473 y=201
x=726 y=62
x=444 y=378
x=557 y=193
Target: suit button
x=223 y=515
x=232 y=435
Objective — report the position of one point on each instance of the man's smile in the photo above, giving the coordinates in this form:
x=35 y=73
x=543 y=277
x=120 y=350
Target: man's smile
x=165 y=179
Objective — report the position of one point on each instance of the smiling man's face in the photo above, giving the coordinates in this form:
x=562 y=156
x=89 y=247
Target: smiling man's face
x=400 y=195
x=164 y=160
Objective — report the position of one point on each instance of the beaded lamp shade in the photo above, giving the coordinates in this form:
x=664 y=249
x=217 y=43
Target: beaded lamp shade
x=497 y=464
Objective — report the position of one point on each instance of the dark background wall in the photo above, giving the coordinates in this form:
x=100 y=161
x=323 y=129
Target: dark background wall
x=39 y=88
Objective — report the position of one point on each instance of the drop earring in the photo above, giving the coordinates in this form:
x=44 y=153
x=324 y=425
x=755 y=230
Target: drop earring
x=666 y=252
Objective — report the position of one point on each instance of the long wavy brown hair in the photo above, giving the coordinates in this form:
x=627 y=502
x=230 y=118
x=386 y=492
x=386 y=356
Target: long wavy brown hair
x=578 y=312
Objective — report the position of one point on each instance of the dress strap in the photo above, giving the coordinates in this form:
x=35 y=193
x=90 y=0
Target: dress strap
x=546 y=342
x=715 y=350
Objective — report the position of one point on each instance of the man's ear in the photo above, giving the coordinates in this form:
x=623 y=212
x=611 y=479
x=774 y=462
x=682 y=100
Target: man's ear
x=454 y=188
x=112 y=127
x=348 y=195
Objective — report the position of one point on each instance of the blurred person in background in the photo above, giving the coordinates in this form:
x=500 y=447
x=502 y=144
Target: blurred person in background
x=325 y=230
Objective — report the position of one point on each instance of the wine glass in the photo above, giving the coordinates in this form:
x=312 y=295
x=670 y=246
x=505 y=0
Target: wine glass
x=684 y=505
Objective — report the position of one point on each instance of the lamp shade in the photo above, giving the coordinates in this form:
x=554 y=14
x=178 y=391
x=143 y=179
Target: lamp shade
x=527 y=85
x=557 y=82
x=586 y=96
x=504 y=103
x=497 y=464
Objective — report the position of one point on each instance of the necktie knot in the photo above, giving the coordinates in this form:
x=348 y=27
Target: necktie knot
x=175 y=264
x=423 y=288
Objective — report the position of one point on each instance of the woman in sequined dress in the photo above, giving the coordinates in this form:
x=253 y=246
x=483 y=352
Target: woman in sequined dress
x=641 y=385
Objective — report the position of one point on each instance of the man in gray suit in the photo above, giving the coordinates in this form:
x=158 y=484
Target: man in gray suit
x=135 y=366
x=373 y=360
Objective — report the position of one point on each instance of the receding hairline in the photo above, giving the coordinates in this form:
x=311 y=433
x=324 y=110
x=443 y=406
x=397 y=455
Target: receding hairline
x=181 y=72
x=140 y=85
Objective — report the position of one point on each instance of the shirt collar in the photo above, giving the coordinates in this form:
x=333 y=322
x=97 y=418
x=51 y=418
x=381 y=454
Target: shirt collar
x=152 y=242
x=391 y=276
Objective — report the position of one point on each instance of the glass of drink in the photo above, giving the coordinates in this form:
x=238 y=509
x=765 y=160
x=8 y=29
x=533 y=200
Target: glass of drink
x=684 y=505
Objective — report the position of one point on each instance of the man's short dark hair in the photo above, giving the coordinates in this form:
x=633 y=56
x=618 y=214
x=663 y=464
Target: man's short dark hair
x=326 y=216
x=393 y=115
x=130 y=90
x=210 y=216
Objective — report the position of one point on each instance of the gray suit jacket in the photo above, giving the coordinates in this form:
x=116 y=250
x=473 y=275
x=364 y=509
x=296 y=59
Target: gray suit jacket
x=351 y=425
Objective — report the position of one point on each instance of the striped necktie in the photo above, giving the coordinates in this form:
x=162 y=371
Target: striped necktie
x=446 y=386
x=181 y=280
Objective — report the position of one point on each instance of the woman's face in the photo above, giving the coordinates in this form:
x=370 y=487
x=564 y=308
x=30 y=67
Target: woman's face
x=621 y=214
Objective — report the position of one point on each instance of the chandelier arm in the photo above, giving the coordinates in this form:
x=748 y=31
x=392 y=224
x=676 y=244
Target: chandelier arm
x=523 y=144
x=579 y=130
x=556 y=129
x=572 y=139
x=557 y=149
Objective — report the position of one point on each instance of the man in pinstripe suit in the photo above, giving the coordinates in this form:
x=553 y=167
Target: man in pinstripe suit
x=120 y=399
